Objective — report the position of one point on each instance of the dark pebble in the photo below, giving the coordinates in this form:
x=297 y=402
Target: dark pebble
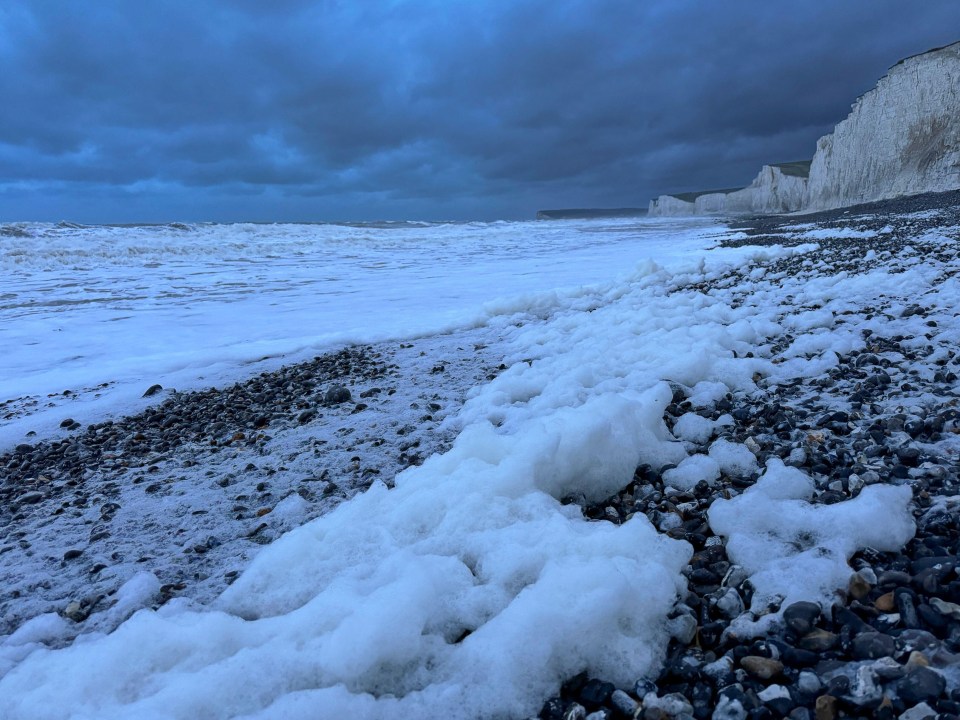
x=595 y=693
x=801 y=617
x=921 y=685
x=336 y=394
x=152 y=390
x=873 y=645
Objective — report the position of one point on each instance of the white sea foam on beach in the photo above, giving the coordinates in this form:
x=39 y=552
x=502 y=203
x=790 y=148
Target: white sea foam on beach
x=469 y=590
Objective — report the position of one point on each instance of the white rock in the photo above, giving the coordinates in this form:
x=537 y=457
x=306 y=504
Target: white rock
x=728 y=709
x=918 y=712
x=730 y=604
x=672 y=704
x=670 y=206
x=773 y=692
x=775 y=189
x=901 y=138
x=683 y=628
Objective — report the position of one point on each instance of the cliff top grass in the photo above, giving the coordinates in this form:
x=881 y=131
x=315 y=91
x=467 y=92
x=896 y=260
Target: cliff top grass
x=926 y=52
x=692 y=196
x=797 y=168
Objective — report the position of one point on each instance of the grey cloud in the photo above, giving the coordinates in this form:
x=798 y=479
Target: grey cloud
x=421 y=108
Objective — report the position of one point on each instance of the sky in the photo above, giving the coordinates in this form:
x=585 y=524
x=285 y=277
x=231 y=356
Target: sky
x=231 y=110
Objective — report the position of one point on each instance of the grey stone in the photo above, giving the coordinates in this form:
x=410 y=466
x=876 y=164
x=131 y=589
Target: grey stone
x=872 y=645
x=623 y=703
x=336 y=394
x=683 y=628
x=730 y=604
x=918 y=712
x=729 y=709
x=920 y=685
x=809 y=683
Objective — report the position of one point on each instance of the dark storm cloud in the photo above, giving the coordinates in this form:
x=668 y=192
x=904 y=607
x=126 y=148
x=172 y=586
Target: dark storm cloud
x=320 y=108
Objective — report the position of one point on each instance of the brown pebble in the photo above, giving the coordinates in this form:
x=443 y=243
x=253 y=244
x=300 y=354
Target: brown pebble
x=858 y=587
x=917 y=659
x=264 y=511
x=885 y=603
x=826 y=707
x=761 y=667
x=818 y=640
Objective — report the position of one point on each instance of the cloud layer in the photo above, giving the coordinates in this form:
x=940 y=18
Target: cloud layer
x=118 y=111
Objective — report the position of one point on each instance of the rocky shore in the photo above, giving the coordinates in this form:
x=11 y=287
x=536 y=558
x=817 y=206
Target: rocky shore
x=177 y=499
x=887 y=412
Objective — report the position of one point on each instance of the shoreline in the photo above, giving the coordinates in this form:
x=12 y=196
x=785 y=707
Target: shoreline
x=195 y=485
x=868 y=419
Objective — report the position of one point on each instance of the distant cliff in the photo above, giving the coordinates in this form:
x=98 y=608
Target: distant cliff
x=586 y=213
x=901 y=138
x=776 y=188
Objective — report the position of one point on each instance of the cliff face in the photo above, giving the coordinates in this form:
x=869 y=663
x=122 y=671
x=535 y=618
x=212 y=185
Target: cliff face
x=901 y=138
x=772 y=191
x=775 y=189
x=670 y=206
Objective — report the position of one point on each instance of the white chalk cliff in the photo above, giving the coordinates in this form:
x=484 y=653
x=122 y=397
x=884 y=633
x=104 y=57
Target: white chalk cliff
x=901 y=138
x=774 y=190
x=670 y=206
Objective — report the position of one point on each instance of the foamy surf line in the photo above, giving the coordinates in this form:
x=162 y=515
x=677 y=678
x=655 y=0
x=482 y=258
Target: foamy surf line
x=90 y=318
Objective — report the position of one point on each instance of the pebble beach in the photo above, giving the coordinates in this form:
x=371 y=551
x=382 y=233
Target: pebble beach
x=171 y=505
x=888 y=646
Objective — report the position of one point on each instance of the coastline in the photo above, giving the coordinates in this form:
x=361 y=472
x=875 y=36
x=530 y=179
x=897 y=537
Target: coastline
x=190 y=489
x=850 y=426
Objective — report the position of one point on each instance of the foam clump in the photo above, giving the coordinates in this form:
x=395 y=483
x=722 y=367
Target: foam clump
x=698 y=429
x=468 y=591
x=796 y=550
x=692 y=471
x=734 y=459
x=706 y=393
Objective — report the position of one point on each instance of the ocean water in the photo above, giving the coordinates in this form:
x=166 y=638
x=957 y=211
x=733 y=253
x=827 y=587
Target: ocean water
x=104 y=312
